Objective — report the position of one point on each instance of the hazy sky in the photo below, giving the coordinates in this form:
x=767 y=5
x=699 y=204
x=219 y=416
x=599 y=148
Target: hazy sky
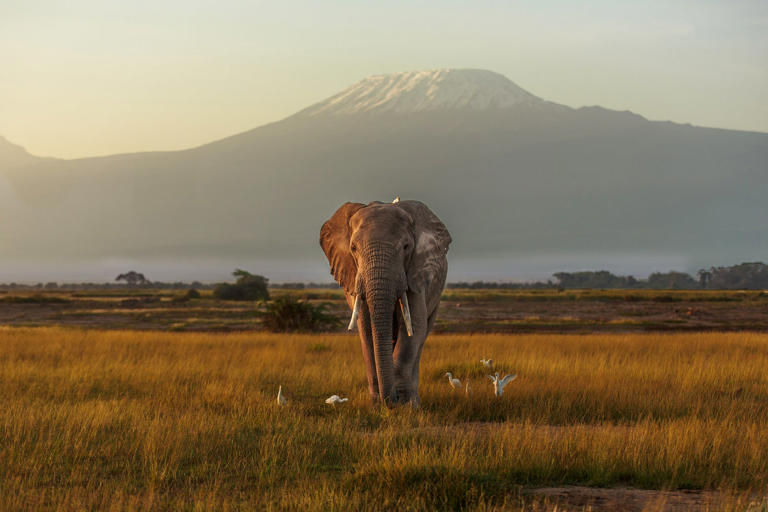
x=88 y=77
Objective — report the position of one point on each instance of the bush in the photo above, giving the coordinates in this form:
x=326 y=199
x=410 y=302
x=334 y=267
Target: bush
x=247 y=287
x=191 y=294
x=226 y=291
x=290 y=315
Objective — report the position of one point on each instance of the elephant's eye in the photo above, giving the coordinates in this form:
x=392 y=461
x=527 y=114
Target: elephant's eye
x=353 y=247
x=406 y=247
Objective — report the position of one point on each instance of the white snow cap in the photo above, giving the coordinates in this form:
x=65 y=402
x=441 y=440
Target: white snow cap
x=417 y=91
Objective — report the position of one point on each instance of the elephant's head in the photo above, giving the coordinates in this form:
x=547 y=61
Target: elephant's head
x=377 y=253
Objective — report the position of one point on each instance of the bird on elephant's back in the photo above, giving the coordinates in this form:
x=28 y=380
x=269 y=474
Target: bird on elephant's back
x=390 y=259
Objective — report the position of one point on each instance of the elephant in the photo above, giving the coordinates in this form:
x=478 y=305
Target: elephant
x=390 y=259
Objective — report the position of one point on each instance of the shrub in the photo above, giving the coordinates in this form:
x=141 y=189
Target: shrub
x=227 y=291
x=290 y=315
x=191 y=294
x=247 y=287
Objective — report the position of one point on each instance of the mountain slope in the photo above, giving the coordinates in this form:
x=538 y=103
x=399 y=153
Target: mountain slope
x=12 y=155
x=526 y=178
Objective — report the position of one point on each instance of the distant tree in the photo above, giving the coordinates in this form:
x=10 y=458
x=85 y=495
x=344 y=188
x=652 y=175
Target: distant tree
x=247 y=287
x=289 y=286
x=704 y=277
x=744 y=276
x=331 y=286
x=132 y=278
x=594 y=279
x=51 y=285
x=671 y=281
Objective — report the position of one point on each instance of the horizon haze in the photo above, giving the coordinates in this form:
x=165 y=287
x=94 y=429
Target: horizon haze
x=527 y=187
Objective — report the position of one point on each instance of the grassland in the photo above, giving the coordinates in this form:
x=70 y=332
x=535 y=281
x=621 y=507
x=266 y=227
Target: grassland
x=98 y=419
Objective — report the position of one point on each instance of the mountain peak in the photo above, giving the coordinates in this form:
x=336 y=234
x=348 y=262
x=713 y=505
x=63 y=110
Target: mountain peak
x=417 y=91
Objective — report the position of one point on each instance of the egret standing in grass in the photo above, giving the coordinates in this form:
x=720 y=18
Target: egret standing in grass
x=280 y=398
x=334 y=399
x=498 y=384
x=488 y=363
x=455 y=383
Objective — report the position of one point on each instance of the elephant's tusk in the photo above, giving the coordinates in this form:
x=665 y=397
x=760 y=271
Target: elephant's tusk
x=355 y=312
x=406 y=313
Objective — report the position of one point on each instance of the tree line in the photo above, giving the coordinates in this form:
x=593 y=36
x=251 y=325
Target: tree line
x=744 y=276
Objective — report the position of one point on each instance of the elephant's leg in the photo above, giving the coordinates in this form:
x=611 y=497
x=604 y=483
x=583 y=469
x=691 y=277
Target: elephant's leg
x=415 y=399
x=366 y=342
x=403 y=356
x=408 y=349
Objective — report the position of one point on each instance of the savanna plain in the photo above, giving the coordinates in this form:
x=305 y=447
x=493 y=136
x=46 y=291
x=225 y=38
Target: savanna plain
x=617 y=419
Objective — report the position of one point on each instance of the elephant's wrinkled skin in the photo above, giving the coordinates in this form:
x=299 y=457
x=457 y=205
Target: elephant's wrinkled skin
x=377 y=253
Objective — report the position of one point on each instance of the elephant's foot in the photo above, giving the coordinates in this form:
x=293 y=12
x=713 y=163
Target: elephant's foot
x=373 y=392
x=400 y=395
x=406 y=395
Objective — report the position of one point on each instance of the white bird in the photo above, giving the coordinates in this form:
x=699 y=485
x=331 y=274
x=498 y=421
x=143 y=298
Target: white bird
x=280 y=398
x=498 y=384
x=455 y=383
x=488 y=363
x=397 y=200
x=334 y=399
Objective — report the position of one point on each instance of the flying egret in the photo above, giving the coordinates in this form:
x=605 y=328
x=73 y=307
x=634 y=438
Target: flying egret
x=280 y=398
x=498 y=384
x=488 y=363
x=455 y=383
x=334 y=399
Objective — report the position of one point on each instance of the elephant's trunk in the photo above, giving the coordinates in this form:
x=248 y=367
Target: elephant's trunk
x=382 y=307
x=383 y=286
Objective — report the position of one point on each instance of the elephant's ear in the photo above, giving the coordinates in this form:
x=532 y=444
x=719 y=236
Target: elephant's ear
x=428 y=263
x=334 y=239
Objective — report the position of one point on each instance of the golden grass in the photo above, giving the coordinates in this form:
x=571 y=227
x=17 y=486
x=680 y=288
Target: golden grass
x=154 y=420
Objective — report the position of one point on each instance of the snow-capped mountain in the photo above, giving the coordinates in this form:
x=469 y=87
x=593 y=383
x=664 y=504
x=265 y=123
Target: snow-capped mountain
x=419 y=91
x=508 y=172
